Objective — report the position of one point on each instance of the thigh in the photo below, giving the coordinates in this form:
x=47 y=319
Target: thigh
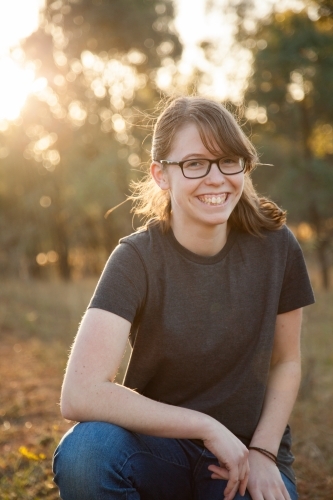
x=291 y=487
x=204 y=486
x=102 y=461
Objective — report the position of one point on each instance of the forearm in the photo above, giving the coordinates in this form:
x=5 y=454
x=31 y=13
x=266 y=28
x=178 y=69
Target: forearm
x=116 y=404
x=281 y=393
x=88 y=393
x=119 y=405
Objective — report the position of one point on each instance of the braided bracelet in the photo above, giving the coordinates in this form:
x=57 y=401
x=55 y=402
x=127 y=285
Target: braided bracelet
x=267 y=453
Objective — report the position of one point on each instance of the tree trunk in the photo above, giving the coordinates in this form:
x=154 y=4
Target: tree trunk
x=322 y=245
x=324 y=264
x=62 y=247
x=322 y=239
x=60 y=230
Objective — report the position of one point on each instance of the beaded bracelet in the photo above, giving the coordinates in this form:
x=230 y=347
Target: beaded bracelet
x=267 y=453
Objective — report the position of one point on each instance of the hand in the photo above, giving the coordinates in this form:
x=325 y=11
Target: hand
x=265 y=482
x=233 y=459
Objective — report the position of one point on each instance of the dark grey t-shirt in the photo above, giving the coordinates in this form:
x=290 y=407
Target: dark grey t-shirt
x=203 y=327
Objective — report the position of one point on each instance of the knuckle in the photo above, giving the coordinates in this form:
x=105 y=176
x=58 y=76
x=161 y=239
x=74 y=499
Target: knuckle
x=234 y=479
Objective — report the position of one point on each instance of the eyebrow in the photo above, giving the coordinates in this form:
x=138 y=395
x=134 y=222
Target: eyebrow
x=194 y=156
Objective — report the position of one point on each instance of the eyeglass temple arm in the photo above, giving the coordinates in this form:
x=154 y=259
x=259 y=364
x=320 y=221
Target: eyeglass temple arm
x=167 y=162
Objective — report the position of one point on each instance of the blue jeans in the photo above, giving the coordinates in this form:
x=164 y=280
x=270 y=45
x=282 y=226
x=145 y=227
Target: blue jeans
x=101 y=461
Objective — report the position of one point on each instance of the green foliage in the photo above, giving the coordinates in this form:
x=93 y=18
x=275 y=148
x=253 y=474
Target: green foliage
x=293 y=74
x=122 y=26
x=72 y=152
x=290 y=110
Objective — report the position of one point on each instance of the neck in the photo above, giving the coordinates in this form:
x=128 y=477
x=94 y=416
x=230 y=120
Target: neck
x=205 y=241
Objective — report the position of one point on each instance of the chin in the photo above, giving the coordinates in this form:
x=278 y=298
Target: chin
x=218 y=221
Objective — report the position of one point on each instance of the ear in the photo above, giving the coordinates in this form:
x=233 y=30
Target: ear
x=159 y=175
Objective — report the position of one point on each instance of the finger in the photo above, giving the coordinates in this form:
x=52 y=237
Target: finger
x=244 y=478
x=244 y=470
x=285 y=492
x=243 y=485
x=233 y=483
x=219 y=472
x=280 y=491
x=216 y=476
x=232 y=493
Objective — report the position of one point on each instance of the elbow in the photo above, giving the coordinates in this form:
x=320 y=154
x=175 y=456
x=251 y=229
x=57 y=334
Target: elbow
x=71 y=406
x=80 y=402
x=67 y=410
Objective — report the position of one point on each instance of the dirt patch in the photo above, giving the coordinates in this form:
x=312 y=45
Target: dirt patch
x=31 y=372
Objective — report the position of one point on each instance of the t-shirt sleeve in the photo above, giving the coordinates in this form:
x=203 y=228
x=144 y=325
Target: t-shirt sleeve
x=121 y=288
x=296 y=289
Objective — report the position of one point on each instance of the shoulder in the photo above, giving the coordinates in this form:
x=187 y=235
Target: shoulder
x=136 y=239
x=283 y=237
x=271 y=250
x=274 y=241
x=283 y=240
x=130 y=253
x=144 y=242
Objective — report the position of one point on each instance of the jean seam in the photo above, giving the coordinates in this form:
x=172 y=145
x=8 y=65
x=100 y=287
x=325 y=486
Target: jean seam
x=203 y=453
x=152 y=455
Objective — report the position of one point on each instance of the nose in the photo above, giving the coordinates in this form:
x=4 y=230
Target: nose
x=215 y=175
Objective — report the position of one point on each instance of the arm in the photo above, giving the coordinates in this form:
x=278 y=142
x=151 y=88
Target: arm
x=283 y=382
x=281 y=393
x=89 y=393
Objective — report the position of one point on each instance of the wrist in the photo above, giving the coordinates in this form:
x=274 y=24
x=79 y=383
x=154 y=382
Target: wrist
x=266 y=441
x=208 y=427
x=263 y=451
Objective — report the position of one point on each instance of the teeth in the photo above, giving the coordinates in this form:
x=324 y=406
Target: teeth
x=213 y=200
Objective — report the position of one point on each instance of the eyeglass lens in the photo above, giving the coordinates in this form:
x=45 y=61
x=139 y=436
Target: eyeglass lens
x=199 y=167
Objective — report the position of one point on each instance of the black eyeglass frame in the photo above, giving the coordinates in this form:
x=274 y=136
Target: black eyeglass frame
x=216 y=161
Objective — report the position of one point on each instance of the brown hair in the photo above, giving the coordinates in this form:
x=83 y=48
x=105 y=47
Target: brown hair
x=219 y=131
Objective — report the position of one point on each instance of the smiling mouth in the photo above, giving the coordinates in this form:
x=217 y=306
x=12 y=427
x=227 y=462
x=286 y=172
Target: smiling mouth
x=213 y=199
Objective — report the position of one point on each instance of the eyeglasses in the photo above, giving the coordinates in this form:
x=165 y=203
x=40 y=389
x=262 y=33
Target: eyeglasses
x=200 y=167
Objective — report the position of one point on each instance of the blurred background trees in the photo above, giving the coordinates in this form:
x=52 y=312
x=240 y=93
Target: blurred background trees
x=290 y=108
x=70 y=156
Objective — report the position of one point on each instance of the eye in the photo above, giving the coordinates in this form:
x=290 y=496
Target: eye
x=195 y=163
x=229 y=160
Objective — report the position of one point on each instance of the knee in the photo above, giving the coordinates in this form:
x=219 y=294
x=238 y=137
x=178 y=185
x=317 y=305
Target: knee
x=86 y=455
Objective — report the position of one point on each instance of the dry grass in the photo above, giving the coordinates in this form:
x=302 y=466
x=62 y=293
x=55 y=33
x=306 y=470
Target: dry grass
x=37 y=324
x=312 y=419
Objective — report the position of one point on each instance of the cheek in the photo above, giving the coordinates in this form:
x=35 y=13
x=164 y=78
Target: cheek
x=181 y=188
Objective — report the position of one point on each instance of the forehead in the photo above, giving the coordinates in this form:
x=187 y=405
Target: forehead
x=189 y=141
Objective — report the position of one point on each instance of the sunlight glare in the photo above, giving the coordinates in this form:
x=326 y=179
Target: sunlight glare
x=225 y=68
x=18 y=19
x=15 y=88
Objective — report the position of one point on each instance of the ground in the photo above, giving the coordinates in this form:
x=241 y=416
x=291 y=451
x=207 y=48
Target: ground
x=37 y=324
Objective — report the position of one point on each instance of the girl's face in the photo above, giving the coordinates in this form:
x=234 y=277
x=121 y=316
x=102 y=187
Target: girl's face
x=200 y=203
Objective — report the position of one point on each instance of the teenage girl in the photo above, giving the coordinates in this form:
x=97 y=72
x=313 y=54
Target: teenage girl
x=210 y=294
